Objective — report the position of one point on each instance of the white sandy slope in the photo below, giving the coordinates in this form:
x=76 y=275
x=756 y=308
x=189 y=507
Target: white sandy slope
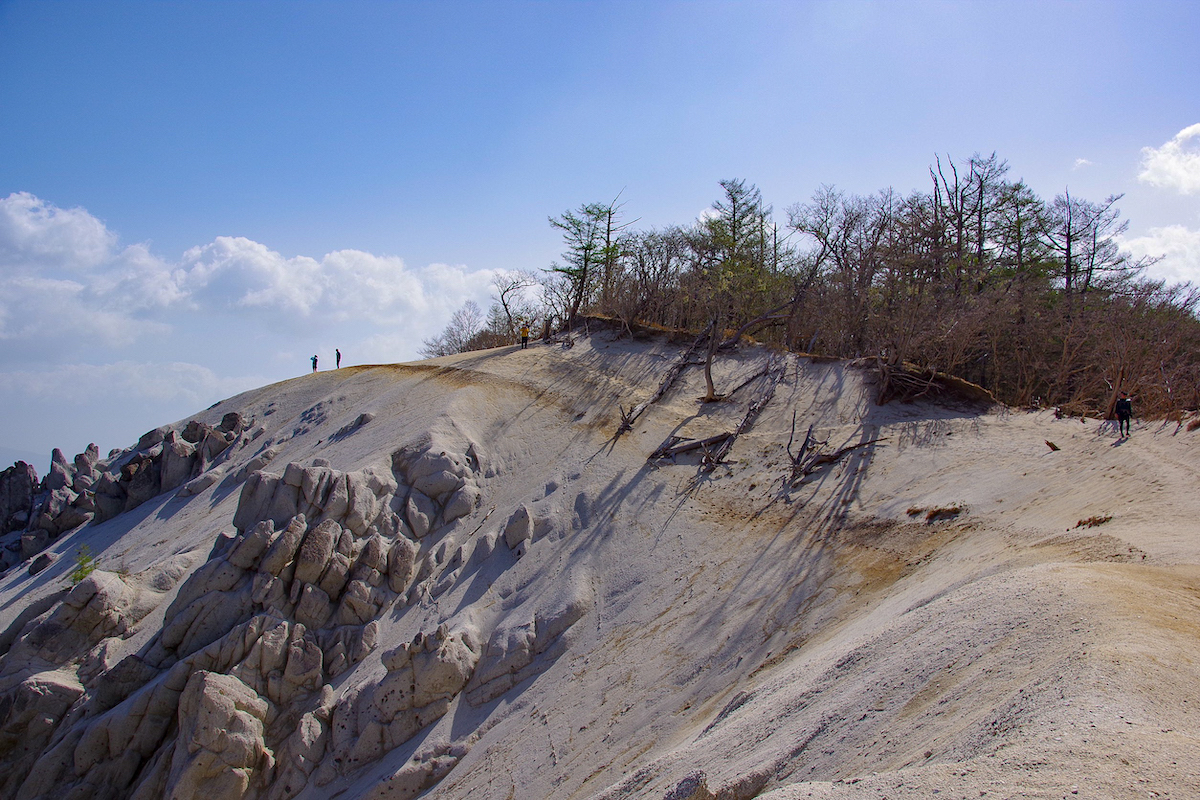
x=748 y=640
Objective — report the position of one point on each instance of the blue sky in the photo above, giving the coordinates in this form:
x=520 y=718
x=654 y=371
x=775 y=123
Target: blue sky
x=196 y=197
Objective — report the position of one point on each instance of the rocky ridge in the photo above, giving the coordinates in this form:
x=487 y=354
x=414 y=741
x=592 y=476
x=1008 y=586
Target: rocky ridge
x=492 y=594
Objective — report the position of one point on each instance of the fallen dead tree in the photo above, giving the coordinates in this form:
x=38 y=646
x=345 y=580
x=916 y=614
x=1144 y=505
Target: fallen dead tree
x=907 y=382
x=685 y=358
x=676 y=445
x=812 y=456
x=717 y=446
x=774 y=373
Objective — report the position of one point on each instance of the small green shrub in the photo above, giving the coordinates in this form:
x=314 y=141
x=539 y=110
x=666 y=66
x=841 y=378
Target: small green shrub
x=85 y=564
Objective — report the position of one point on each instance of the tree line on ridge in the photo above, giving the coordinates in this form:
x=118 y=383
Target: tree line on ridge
x=977 y=277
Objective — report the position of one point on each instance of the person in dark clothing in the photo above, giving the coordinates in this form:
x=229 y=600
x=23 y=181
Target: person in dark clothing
x=1124 y=413
x=338 y=354
x=314 y=360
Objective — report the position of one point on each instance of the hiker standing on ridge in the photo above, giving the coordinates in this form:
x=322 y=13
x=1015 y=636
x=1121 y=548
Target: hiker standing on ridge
x=314 y=360
x=338 y=354
x=524 y=335
x=1124 y=410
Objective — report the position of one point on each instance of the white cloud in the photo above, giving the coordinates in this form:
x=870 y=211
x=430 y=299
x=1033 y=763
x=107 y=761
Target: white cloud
x=88 y=325
x=66 y=283
x=1175 y=165
x=69 y=287
x=1080 y=163
x=234 y=272
x=34 y=233
x=175 y=381
x=1179 y=248
x=50 y=310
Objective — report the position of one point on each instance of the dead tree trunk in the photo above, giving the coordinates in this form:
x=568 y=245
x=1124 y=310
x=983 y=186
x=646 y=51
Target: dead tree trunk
x=774 y=375
x=630 y=416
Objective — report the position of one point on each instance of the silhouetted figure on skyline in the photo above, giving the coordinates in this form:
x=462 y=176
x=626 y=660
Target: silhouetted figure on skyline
x=338 y=354
x=314 y=360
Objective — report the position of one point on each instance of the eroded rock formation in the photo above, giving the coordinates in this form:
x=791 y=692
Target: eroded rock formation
x=234 y=696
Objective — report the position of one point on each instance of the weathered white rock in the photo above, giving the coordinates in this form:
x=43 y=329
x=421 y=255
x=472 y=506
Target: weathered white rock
x=285 y=503
x=249 y=547
x=280 y=558
x=362 y=507
x=314 y=608
x=201 y=482
x=315 y=484
x=208 y=619
x=395 y=693
x=334 y=579
x=293 y=475
x=372 y=564
x=31 y=711
x=140 y=477
x=412 y=779
x=34 y=542
x=442 y=672
x=221 y=743
x=299 y=756
x=40 y=563
x=303 y=672
x=316 y=550
x=18 y=484
x=338 y=501
x=261 y=460
x=509 y=650
x=439 y=484
x=255 y=498
x=61 y=473
x=401 y=564
x=421 y=513
x=462 y=502
x=519 y=526
x=178 y=461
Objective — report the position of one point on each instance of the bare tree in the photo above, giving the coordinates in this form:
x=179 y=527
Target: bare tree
x=465 y=324
x=512 y=301
x=1083 y=238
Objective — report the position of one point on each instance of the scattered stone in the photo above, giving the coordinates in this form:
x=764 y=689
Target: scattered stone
x=41 y=562
x=519 y=527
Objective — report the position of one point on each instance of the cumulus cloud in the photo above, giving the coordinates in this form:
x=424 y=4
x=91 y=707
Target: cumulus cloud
x=66 y=280
x=234 y=272
x=1080 y=163
x=45 y=309
x=1175 y=165
x=35 y=234
x=1179 y=248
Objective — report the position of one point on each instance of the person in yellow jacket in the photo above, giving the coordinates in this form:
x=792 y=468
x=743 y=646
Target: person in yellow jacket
x=524 y=336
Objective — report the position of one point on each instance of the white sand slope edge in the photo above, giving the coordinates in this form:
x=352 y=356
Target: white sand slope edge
x=508 y=600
